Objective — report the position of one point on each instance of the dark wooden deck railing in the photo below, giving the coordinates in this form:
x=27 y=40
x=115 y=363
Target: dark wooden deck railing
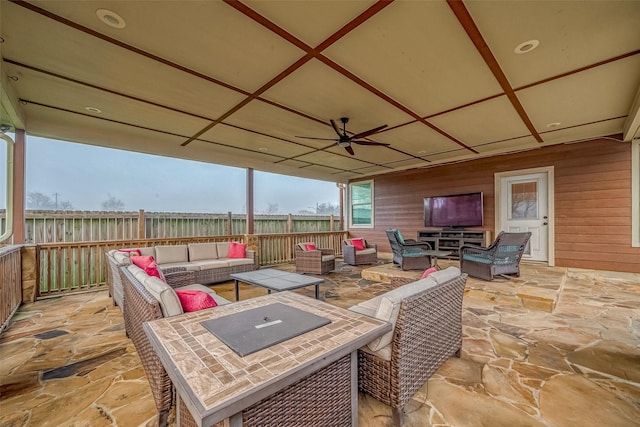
x=10 y=283
x=75 y=267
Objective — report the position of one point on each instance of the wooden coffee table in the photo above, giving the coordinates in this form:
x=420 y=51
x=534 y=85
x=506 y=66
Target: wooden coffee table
x=276 y=280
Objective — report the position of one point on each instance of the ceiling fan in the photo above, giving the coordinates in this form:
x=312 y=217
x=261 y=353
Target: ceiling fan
x=345 y=140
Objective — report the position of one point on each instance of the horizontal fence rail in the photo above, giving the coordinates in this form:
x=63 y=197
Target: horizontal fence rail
x=10 y=283
x=91 y=226
x=76 y=267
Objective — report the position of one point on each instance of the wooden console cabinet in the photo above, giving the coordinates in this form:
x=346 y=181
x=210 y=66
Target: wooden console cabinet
x=452 y=240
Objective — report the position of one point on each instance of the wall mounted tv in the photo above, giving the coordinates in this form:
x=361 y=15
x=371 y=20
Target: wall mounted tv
x=454 y=210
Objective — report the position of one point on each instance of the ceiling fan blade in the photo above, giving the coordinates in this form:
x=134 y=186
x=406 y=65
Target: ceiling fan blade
x=370 y=143
x=367 y=133
x=335 y=127
x=349 y=150
x=321 y=139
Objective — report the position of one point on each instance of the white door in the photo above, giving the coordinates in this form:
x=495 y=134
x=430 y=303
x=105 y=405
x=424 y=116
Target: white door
x=524 y=206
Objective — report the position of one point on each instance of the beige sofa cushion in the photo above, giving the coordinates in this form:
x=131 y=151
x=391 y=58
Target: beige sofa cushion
x=212 y=263
x=166 y=296
x=238 y=261
x=203 y=251
x=223 y=249
x=171 y=254
x=149 y=251
x=120 y=257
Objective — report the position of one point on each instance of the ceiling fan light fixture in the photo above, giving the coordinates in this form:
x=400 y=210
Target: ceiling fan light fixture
x=111 y=18
x=526 y=47
x=553 y=125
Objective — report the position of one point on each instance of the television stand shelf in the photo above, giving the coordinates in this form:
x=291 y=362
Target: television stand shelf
x=452 y=240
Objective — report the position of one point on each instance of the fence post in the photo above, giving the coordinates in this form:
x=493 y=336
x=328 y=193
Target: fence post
x=289 y=223
x=331 y=223
x=141 y=224
x=229 y=223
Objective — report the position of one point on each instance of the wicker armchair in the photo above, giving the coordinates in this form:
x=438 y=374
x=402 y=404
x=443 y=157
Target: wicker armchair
x=427 y=331
x=502 y=257
x=408 y=253
x=318 y=261
x=369 y=255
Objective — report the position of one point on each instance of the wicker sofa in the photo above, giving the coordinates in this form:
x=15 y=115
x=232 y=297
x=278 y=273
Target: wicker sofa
x=209 y=263
x=427 y=319
x=147 y=298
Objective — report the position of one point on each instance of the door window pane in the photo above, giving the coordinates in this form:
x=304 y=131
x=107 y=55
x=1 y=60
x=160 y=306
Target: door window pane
x=524 y=200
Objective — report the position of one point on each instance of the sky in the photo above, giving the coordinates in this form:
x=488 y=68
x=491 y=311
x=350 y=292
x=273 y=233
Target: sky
x=86 y=176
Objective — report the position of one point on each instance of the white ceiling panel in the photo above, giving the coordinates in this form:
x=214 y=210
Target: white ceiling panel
x=182 y=71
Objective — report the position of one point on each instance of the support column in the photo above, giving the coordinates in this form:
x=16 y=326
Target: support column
x=249 y=201
x=19 y=170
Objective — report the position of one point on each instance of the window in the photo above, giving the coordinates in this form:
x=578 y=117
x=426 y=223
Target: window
x=361 y=204
x=635 y=192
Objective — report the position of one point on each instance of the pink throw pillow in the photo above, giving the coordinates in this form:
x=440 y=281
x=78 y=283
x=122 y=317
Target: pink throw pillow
x=148 y=264
x=237 y=250
x=428 y=271
x=358 y=244
x=193 y=300
x=311 y=247
x=131 y=252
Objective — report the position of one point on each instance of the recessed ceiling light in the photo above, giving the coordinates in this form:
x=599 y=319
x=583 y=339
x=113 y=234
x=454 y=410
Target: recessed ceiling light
x=93 y=110
x=422 y=152
x=111 y=18
x=527 y=46
x=554 y=125
x=263 y=149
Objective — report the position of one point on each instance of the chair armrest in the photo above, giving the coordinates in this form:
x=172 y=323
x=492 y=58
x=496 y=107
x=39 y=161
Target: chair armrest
x=327 y=251
x=421 y=245
x=372 y=246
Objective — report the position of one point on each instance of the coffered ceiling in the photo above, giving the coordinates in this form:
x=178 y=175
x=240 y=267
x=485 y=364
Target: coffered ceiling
x=240 y=83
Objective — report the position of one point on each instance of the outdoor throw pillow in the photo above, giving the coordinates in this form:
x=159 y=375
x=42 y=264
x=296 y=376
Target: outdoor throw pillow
x=358 y=244
x=428 y=271
x=237 y=250
x=311 y=246
x=148 y=264
x=192 y=300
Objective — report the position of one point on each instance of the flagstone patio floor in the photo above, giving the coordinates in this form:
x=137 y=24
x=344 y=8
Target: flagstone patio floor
x=570 y=360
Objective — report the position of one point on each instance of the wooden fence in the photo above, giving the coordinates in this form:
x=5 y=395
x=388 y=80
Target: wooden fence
x=75 y=267
x=10 y=283
x=93 y=226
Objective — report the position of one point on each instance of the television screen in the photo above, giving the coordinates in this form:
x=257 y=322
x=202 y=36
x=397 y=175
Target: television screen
x=455 y=210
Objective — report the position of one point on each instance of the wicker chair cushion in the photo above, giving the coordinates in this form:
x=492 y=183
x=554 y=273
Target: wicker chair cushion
x=202 y=251
x=445 y=275
x=367 y=251
x=166 y=296
x=172 y=254
x=384 y=353
x=328 y=257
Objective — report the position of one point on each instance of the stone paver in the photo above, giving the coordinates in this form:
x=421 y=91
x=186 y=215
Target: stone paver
x=67 y=361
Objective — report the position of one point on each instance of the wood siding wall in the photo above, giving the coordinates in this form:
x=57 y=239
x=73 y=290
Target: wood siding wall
x=592 y=200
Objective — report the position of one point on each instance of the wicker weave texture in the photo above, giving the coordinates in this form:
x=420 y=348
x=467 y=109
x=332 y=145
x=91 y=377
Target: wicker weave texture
x=114 y=281
x=142 y=307
x=321 y=399
x=427 y=332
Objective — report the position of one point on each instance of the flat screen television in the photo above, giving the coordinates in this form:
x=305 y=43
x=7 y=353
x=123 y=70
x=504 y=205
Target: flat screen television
x=453 y=211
